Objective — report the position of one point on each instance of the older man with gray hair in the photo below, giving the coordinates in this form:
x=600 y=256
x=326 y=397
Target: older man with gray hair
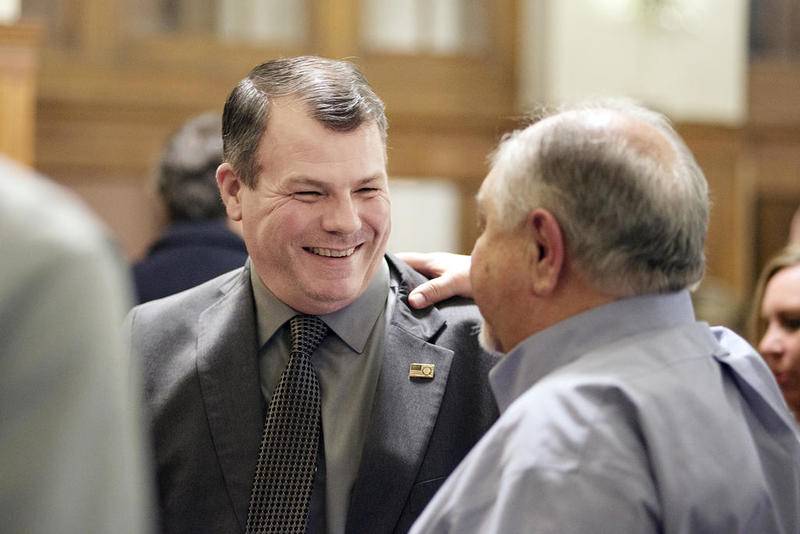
x=620 y=412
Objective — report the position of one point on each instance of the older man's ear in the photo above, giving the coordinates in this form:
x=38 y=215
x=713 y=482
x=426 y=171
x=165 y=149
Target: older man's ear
x=547 y=252
x=449 y=272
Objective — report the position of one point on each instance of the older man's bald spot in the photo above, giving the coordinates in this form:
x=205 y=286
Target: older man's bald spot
x=637 y=133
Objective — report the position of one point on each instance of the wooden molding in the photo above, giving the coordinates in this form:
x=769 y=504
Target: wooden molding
x=24 y=34
x=19 y=61
x=774 y=96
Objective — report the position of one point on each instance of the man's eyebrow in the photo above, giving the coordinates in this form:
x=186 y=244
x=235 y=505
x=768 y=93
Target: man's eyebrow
x=369 y=179
x=303 y=180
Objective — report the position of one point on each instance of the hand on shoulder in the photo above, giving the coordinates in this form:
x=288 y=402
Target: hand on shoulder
x=449 y=275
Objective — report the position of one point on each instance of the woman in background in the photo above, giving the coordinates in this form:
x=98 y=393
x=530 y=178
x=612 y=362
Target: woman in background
x=776 y=322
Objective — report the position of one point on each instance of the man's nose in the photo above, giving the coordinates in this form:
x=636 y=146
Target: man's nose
x=341 y=216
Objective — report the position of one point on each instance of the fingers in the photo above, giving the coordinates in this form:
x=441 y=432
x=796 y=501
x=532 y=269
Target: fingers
x=450 y=273
x=432 y=291
x=450 y=284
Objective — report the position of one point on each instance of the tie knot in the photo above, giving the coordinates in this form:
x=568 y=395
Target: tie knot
x=307 y=332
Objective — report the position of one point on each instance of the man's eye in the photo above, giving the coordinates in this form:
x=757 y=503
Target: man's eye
x=307 y=195
x=367 y=190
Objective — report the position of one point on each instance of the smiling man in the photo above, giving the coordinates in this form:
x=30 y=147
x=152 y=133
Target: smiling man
x=255 y=428
x=317 y=217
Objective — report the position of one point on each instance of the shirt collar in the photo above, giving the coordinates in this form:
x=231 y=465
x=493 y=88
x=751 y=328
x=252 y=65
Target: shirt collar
x=566 y=341
x=352 y=323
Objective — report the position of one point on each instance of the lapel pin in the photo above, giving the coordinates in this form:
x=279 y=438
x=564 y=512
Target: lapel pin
x=421 y=370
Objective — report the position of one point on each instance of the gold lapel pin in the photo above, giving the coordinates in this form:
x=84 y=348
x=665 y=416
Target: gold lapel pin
x=421 y=370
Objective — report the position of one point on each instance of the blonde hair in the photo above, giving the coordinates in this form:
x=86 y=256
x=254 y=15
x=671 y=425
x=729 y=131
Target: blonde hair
x=787 y=257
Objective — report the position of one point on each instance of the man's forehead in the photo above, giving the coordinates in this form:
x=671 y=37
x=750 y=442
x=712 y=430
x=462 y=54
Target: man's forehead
x=292 y=132
x=288 y=114
x=291 y=104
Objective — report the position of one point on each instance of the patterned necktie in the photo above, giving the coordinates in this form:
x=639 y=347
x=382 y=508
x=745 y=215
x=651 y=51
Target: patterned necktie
x=287 y=459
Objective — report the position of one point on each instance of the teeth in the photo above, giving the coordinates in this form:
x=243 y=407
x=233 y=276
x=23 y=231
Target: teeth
x=332 y=252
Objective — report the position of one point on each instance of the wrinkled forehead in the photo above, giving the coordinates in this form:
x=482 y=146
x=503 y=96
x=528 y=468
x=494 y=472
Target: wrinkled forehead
x=293 y=109
x=291 y=125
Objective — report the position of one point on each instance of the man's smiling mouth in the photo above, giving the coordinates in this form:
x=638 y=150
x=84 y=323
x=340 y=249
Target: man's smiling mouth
x=331 y=252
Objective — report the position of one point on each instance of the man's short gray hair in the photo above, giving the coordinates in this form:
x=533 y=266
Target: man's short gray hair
x=186 y=179
x=335 y=93
x=634 y=221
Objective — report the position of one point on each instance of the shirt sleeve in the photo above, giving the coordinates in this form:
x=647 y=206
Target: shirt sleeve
x=552 y=478
x=546 y=501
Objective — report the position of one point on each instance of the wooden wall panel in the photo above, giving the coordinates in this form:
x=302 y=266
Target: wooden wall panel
x=103 y=141
x=777 y=158
x=19 y=60
x=126 y=205
x=720 y=153
x=773 y=217
x=774 y=145
x=774 y=96
x=108 y=155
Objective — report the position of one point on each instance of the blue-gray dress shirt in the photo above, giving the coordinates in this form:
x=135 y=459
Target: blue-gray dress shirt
x=631 y=417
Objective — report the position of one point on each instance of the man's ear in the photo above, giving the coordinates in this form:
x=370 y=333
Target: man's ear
x=547 y=256
x=230 y=188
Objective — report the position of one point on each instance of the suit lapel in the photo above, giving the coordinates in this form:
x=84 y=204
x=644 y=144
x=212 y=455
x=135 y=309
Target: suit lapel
x=403 y=416
x=227 y=365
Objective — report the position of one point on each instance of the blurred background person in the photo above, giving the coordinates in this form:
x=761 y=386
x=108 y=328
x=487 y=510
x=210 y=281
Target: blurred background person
x=776 y=321
x=71 y=446
x=199 y=242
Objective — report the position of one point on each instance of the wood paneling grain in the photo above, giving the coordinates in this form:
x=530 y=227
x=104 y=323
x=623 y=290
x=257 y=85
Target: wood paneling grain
x=19 y=61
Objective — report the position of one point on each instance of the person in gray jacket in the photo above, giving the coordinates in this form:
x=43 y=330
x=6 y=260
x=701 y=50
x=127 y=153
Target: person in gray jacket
x=403 y=394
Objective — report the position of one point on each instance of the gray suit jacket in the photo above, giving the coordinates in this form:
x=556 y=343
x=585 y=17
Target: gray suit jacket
x=198 y=351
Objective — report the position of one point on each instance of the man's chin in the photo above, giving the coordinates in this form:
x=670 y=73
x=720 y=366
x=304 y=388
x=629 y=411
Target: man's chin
x=323 y=301
x=323 y=306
